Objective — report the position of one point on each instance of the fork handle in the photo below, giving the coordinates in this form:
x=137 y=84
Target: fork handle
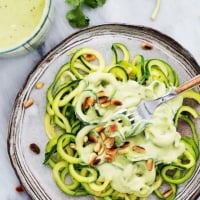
x=188 y=85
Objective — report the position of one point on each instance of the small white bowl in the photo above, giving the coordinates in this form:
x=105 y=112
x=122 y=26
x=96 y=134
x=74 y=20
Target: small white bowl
x=36 y=36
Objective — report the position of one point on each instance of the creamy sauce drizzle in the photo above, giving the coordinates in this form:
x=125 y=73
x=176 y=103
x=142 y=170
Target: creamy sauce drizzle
x=128 y=173
x=18 y=20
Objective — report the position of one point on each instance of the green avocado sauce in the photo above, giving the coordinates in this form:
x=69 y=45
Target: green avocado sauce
x=18 y=20
x=128 y=173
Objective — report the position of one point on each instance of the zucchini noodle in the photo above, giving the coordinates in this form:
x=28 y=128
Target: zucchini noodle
x=156 y=10
x=94 y=149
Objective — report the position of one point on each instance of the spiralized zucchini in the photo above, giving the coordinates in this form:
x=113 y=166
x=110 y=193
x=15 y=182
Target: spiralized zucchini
x=94 y=149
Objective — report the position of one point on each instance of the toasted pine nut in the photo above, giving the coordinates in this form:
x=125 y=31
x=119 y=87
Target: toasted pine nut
x=92 y=157
x=35 y=148
x=150 y=164
x=109 y=142
x=96 y=161
x=90 y=57
x=116 y=102
x=103 y=99
x=85 y=139
x=73 y=146
x=106 y=104
x=168 y=193
x=89 y=101
x=122 y=150
x=125 y=145
x=92 y=138
x=109 y=158
x=99 y=129
x=28 y=103
x=101 y=150
x=139 y=149
x=103 y=136
x=19 y=188
x=113 y=128
x=85 y=105
x=101 y=93
x=111 y=151
x=39 y=85
x=97 y=147
x=147 y=46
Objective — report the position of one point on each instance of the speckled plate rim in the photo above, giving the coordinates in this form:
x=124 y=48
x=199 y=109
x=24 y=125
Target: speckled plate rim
x=30 y=183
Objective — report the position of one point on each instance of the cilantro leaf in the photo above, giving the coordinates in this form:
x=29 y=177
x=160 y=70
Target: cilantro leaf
x=94 y=3
x=73 y=2
x=77 y=18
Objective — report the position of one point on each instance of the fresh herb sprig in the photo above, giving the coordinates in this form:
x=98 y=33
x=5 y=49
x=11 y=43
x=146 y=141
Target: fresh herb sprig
x=76 y=16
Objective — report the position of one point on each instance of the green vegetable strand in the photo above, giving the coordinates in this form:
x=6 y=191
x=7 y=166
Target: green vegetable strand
x=156 y=10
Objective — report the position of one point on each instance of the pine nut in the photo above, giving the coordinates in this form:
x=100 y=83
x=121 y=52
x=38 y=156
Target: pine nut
x=113 y=128
x=150 y=164
x=106 y=104
x=85 y=139
x=122 y=151
x=73 y=146
x=103 y=136
x=90 y=57
x=39 y=85
x=167 y=193
x=126 y=144
x=109 y=158
x=111 y=151
x=28 y=103
x=101 y=93
x=92 y=157
x=99 y=129
x=116 y=102
x=139 y=149
x=103 y=99
x=92 y=138
x=35 y=148
x=109 y=142
x=97 y=147
x=101 y=150
x=147 y=46
x=89 y=101
x=96 y=162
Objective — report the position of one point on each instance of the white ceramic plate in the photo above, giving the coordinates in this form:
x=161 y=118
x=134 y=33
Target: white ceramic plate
x=26 y=125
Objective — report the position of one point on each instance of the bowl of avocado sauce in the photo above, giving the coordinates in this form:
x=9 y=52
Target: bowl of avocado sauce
x=23 y=25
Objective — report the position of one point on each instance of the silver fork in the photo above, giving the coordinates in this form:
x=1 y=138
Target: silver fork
x=146 y=108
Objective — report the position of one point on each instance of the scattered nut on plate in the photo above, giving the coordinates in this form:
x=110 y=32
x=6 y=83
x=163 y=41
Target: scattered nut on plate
x=39 y=85
x=147 y=46
x=28 y=103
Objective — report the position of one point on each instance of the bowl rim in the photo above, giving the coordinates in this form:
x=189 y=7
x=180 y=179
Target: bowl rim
x=35 y=32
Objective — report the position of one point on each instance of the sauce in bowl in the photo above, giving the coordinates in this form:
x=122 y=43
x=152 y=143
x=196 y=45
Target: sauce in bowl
x=18 y=20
